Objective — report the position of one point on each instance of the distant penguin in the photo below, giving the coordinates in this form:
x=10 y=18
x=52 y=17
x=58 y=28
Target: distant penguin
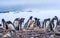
x=3 y=22
x=37 y=22
x=20 y=23
x=31 y=24
x=16 y=23
x=26 y=24
x=46 y=24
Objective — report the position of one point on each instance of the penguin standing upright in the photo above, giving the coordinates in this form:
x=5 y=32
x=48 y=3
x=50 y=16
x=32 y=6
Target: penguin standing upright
x=20 y=23
x=3 y=23
x=51 y=26
x=27 y=23
x=54 y=22
x=10 y=26
x=46 y=24
x=37 y=22
x=10 y=30
x=16 y=23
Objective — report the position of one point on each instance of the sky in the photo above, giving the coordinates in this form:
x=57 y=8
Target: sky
x=23 y=2
x=31 y=4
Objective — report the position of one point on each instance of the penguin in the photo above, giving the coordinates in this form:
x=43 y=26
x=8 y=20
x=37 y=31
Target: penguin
x=54 y=22
x=3 y=22
x=31 y=24
x=16 y=23
x=37 y=22
x=20 y=23
x=51 y=26
x=46 y=24
x=26 y=24
x=10 y=27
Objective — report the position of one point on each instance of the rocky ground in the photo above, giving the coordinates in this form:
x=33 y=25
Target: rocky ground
x=29 y=34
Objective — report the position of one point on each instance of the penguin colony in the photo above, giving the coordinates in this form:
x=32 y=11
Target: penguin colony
x=31 y=24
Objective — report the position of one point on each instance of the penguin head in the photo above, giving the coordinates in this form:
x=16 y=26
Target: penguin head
x=3 y=20
x=17 y=19
x=31 y=17
x=55 y=17
x=22 y=19
x=35 y=18
x=9 y=22
x=47 y=19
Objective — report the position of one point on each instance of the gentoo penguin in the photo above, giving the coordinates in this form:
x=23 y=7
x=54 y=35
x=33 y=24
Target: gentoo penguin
x=26 y=24
x=10 y=26
x=46 y=24
x=11 y=30
x=54 y=22
x=21 y=22
x=3 y=23
x=31 y=24
x=16 y=23
x=37 y=22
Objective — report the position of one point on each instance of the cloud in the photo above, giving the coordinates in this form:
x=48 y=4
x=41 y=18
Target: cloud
x=41 y=4
x=23 y=2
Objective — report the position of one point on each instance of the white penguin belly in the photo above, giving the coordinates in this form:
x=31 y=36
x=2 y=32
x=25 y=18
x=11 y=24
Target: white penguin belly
x=44 y=26
x=16 y=23
x=10 y=26
x=55 y=23
x=31 y=25
x=47 y=24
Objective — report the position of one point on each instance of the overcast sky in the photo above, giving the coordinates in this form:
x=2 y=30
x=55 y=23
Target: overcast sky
x=42 y=4
x=22 y=2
